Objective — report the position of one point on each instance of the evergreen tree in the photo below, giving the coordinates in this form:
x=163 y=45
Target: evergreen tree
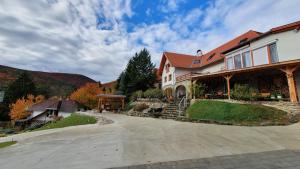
x=138 y=75
x=22 y=87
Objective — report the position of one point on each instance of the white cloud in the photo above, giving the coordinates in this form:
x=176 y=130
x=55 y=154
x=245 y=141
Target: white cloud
x=63 y=35
x=170 y=5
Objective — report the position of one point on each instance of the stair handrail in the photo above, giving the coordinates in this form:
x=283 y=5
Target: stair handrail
x=184 y=102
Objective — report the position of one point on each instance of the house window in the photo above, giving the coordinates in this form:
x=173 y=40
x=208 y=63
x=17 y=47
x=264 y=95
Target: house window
x=246 y=59
x=170 y=77
x=196 y=61
x=229 y=63
x=167 y=68
x=237 y=61
x=211 y=56
x=273 y=53
x=260 y=56
x=165 y=79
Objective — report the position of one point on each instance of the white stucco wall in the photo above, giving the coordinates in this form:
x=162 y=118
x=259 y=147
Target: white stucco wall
x=42 y=117
x=237 y=51
x=64 y=114
x=175 y=72
x=215 y=67
x=166 y=74
x=181 y=71
x=288 y=44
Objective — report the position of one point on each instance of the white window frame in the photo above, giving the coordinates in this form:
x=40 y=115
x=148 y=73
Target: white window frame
x=233 y=65
x=251 y=64
x=239 y=52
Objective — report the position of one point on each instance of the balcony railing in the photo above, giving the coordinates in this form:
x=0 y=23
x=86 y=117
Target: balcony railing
x=184 y=77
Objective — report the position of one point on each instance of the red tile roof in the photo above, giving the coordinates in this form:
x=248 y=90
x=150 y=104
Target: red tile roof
x=186 y=61
x=283 y=28
x=294 y=25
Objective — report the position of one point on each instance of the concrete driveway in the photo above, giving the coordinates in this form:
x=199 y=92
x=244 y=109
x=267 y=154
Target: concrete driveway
x=133 y=140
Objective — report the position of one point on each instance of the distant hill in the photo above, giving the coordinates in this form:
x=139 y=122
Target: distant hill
x=56 y=84
x=110 y=87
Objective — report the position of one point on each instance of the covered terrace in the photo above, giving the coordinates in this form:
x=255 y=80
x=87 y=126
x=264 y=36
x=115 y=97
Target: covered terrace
x=277 y=77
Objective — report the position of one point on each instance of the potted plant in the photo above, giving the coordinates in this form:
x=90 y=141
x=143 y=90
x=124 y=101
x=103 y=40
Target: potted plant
x=273 y=96
x=279 y=96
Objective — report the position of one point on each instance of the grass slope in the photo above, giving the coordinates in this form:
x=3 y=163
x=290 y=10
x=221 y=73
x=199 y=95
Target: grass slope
x=244 y=114
x=6 y=144
x=73 y=120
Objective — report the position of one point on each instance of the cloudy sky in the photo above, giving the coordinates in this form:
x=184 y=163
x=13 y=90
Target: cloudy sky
x=97 y=37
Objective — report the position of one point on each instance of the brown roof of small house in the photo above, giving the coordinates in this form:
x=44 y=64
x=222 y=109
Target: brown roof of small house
x=68 y=106
x=42 y=106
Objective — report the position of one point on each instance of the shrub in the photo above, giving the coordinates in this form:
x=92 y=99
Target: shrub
x=128 y=106
x=153 y=93
x=244 y=92
x=199 y=89
x=140 y=107
x=137 y=94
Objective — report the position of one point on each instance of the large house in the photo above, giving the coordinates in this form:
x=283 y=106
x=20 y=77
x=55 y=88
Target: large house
x=267 y=61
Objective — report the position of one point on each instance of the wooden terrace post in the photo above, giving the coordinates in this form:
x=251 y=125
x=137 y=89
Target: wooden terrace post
x=99 y=104
x=228 y=77
x=193 y=89
x=123 y=105
x=289 y=71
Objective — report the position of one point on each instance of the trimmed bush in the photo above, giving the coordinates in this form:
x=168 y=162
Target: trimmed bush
x=140 y=107
x=244 y=92
x=137 y=94
x=153 y=93
x=128 y=106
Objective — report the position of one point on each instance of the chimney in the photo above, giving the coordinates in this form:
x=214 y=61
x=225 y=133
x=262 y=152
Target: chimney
x=199 y=52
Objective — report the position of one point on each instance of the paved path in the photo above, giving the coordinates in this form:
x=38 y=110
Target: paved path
x=131 y=141
x=280 y=159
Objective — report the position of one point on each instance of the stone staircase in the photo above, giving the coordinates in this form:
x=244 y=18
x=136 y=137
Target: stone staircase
x=172 y=111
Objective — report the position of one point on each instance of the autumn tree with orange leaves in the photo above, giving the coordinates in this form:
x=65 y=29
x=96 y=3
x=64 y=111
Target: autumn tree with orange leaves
x=19 y=108
x=87 y=95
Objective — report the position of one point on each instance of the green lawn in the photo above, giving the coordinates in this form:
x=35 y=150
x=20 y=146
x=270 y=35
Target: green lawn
x=73 y=120
x=243 y=114
x=6 y=144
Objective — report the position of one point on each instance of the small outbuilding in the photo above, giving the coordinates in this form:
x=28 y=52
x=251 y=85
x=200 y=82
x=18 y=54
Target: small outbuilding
x=111 y=102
